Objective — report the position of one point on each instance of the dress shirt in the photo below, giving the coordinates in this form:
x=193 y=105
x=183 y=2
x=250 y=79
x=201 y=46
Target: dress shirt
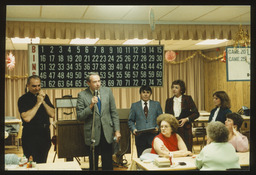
x=177 y=106
x=215 y=114
x=93 y=93
x=143 y=104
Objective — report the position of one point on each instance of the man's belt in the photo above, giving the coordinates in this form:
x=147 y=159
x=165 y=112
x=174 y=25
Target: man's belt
x=37 y=126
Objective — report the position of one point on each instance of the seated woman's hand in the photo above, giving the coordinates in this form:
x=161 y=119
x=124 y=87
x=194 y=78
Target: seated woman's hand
x=186 y=153
x=189 y=153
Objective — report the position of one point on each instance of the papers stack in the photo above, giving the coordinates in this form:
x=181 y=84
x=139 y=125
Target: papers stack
x=162 y=162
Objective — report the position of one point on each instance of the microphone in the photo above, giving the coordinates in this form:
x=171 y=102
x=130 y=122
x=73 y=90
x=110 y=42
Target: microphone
x=96 y=93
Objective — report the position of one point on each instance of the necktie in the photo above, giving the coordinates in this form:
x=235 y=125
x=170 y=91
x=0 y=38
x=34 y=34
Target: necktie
x=146 y=109
x=99 y=104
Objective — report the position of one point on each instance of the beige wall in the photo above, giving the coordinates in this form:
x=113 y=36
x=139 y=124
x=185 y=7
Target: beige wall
x=216 y=80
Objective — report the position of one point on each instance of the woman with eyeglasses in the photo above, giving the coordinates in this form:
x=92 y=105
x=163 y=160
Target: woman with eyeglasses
x=168 y=142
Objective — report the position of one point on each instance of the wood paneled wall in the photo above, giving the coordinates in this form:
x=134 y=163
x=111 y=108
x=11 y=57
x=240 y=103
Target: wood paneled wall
x=216 y=80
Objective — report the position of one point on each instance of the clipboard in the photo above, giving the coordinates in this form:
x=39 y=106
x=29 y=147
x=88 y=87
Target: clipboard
x=145 y=130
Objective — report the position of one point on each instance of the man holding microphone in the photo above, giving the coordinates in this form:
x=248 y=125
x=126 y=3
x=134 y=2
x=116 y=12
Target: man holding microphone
x=96 y=105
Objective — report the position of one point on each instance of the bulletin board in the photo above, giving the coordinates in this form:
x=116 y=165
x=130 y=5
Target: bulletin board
x=238 y=62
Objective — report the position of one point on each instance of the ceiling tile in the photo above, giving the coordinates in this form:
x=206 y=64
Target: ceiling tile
x=106 y=12
x=20 y=11
x=63 y=12
x=187 y=13
x=138 y=13
x=226 y=14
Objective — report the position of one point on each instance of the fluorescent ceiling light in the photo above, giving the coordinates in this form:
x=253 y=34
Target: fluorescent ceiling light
x=26 y=40
x=17 y=40
x=212 y=42
x=137 y=41
x=35 y=40
x=84 y=41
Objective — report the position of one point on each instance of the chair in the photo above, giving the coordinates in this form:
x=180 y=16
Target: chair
x=148 y=150
x=199 y=131
x=18 y=137
x=54 y=142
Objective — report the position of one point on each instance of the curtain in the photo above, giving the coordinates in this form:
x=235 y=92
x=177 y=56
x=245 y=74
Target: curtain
x=191 y=72
x=120 y=31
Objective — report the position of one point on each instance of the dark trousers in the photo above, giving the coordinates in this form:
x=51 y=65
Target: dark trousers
x=105 y=149
x=36 y=142
x=187 y=136
x=143 y=141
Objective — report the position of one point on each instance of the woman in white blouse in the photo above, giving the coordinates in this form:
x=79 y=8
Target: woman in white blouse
x=184 y=109
x=221 y=101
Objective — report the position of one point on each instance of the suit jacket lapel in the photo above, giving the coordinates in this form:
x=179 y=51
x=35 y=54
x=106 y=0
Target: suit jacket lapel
x=88 y=95
x=151 y=107
x=182 y=105
x=220 y=113
x=140 y=108
x=102 y=99
x=182 y=101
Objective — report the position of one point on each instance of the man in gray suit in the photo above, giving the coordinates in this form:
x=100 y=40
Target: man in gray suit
x=143 y=116
x=102 y=107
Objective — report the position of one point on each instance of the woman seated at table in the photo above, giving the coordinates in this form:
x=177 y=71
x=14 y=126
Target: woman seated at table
x=221 y=101
x=233 y=123
x=218 y=154
x=168 y=141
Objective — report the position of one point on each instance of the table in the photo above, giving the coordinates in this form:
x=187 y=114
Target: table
x=244 y=158
x=16 y=124
x=205 y=118
x=244 y=161
x=12 y=121
x=245 y=128
x=190 y=165
x=204 y=113
x=63 y=166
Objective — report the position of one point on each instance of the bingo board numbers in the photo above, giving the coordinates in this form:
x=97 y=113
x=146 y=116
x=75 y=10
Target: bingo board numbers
x=64 y=66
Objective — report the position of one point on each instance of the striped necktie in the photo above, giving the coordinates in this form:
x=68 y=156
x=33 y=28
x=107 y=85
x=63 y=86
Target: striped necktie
x=146 y=109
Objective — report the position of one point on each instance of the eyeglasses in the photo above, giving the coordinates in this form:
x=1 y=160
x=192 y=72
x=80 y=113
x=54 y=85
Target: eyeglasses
x=164 y=127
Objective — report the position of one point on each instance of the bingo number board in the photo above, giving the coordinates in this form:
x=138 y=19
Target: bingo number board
x=65 y=66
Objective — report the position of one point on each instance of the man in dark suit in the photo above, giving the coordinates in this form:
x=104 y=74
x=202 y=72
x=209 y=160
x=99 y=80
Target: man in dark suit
x=100 y=107
x=142 y=116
